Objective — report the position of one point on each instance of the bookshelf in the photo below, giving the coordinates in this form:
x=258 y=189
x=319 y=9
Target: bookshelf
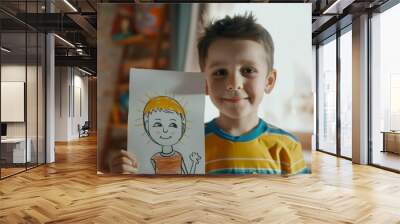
x=139 y=50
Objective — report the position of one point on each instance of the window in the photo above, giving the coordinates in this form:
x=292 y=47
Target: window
x=22 y=68
x=346 y=93
x=327 y=96
x=385 y=88
x=395 y=102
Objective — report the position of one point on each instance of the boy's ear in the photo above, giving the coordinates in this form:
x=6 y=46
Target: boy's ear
x=270 y=81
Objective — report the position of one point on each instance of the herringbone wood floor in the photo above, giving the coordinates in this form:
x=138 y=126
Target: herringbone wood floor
x=69 y=191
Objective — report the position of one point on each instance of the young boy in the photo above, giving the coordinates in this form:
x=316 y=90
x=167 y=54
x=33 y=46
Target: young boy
x=236 y=56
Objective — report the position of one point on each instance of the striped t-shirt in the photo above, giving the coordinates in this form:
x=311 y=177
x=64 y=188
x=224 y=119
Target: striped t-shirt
x=264 y=150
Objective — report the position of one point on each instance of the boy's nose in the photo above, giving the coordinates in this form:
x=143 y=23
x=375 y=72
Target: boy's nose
x=164 y=130
x=235 y=82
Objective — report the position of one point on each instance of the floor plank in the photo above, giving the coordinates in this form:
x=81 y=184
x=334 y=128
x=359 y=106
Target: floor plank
x=69 y=191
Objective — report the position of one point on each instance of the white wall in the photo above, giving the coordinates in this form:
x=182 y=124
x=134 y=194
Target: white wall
x=70 y=83
x=15 y=73
x=61 y=103
x=79 y=117
x=33 y=126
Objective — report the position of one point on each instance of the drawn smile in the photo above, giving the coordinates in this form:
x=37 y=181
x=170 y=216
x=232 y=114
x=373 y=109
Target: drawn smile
x=166 y=137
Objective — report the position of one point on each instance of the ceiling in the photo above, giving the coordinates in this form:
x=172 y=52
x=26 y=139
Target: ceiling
x=77 y=25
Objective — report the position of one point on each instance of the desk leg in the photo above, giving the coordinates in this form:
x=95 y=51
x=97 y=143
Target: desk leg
x=384 y=142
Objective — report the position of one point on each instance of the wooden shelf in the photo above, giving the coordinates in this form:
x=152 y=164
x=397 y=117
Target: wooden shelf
x=146 y=62
x=138 y=51
x=123 y=87
x=120 y=125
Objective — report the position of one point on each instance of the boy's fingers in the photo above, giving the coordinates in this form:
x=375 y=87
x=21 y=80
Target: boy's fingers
x=123 y=169
x=135 y=164
x=122 y=160
x=128 y=169
x=130 y=156
x=117 y=169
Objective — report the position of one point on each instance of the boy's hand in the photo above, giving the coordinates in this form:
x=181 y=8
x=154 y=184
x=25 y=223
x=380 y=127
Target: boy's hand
x=123 y=162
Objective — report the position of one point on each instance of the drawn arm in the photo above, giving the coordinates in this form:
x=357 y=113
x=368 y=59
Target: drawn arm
x=153 y=163
x=195 y=158
x=183 y=167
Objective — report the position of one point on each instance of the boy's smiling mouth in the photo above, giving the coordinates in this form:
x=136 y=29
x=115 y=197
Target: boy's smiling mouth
x=235 y=99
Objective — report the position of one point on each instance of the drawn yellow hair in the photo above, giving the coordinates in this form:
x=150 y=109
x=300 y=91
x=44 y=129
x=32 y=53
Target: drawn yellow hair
x=163 y=103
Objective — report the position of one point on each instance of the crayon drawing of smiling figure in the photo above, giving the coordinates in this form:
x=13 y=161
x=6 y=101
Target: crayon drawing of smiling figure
x=165 y=123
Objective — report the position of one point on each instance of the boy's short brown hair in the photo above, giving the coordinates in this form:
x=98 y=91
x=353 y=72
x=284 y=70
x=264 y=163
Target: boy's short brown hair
x=236 y=27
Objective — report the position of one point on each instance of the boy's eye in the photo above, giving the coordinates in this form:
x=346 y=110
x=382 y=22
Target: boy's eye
x=157 y=124
x=173 y=125
x=220 y=73
x=248 y=70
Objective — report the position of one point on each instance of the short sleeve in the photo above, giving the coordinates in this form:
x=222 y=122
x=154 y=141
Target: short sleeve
x=292 y=160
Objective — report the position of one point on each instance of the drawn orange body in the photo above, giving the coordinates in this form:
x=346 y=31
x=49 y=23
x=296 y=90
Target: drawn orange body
x=168 y=164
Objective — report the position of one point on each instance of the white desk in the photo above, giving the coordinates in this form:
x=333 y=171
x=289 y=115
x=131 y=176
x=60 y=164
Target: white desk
x=13 y=150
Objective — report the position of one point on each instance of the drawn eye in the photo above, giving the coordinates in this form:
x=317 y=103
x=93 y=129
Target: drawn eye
x=157 y=124
x=173 y=125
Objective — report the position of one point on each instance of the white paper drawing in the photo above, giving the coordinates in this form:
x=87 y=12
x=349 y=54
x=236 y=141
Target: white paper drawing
x=165 y=124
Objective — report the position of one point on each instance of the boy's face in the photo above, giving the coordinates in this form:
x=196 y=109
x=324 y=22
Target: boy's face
x=165 y=127
x=237 y=76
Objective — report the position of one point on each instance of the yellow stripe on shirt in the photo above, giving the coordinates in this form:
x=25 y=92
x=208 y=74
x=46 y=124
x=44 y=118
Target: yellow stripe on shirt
x=265 y=150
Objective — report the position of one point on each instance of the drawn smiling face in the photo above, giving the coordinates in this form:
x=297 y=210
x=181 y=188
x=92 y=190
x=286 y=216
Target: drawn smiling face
x=165 y=127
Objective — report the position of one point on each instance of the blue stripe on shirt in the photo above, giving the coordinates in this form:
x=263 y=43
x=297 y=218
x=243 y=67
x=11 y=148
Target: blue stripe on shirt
x=261 y=128
x=212 y=127
x=274 y=130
